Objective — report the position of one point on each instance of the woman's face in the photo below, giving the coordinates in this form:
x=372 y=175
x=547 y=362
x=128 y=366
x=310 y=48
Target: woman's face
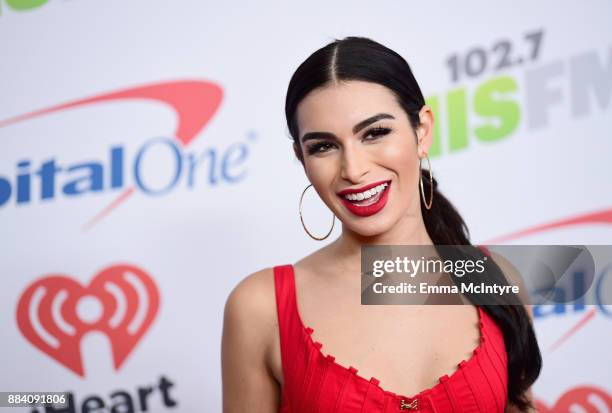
x=354 y=135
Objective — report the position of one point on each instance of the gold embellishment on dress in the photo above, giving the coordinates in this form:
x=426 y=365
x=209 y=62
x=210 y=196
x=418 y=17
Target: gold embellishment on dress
x=413 y=405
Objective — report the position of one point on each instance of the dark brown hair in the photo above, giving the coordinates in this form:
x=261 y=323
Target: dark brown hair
x=359 y=58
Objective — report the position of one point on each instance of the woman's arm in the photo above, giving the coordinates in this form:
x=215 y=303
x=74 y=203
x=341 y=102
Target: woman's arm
x=249 y=325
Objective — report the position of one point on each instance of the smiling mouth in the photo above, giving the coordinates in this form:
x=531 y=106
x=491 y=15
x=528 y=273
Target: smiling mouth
x=367 y=197
x=368 y=201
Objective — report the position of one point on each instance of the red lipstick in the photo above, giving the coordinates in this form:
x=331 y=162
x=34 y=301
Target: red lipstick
x=366 y=210
x=363 y=188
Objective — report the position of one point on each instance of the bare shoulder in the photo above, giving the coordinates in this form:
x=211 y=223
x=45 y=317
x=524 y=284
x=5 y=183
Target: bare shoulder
x=249 y=325
x=506 y=266
x=251 y=305
x=513 y=276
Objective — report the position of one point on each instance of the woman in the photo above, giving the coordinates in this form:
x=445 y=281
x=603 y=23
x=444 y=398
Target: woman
x=360 y=128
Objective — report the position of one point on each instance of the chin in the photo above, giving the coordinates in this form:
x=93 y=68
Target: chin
x=369 y=229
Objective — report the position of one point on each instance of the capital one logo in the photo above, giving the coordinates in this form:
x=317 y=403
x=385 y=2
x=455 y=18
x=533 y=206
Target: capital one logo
x=55 y=312
x=195 y=102
x=602 y=217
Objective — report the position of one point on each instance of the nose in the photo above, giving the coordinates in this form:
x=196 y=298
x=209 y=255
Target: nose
x=354 y=164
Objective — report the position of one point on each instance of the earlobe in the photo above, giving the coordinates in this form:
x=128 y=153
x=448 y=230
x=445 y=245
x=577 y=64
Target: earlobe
x=424 y=131
x=423 y=141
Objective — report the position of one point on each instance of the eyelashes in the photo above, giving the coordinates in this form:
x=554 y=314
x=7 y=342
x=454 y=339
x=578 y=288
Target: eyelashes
x=377 y=132
x=370 y=135
x=318 y=147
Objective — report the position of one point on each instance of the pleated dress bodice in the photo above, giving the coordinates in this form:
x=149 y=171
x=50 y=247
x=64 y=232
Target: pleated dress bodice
x=315 y=382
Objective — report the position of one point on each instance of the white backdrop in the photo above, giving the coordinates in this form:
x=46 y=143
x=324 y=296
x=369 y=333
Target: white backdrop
x=162 y=143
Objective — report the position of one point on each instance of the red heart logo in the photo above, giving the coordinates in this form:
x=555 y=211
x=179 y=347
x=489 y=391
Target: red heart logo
x=587 y=399
x=51 y=316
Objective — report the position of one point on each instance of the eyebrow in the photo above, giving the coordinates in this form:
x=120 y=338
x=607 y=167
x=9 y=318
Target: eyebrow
x=364 y=123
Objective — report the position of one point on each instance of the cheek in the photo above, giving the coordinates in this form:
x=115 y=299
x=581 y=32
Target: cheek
x=402 y=158
x=320 y=172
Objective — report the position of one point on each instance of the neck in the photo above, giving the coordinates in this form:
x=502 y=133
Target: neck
x=410 y=230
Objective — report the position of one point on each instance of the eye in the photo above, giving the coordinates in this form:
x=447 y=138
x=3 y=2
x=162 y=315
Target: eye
x=319 y=147
x=376 y=133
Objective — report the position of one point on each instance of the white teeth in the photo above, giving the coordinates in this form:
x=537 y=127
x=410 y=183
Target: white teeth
x=366 y=194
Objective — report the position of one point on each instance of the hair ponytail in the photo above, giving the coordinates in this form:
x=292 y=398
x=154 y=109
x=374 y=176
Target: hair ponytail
x=446 y=227
x=443 y=223
x=359 y=58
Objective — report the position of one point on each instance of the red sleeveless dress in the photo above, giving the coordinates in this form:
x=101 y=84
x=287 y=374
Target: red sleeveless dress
x=315 y=382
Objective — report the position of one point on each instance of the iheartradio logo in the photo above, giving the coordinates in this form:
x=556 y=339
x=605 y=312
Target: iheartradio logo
x=579 y=399
x=55 y=312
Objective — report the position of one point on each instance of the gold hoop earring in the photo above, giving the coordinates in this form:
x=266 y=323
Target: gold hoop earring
x=428 y=206
x=304 y=225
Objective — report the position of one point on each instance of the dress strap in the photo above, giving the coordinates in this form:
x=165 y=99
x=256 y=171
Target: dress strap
x=286 y=308
x=284 y=285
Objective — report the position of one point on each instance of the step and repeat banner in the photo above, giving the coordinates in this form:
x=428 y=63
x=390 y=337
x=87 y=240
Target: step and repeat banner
x=146 y=169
